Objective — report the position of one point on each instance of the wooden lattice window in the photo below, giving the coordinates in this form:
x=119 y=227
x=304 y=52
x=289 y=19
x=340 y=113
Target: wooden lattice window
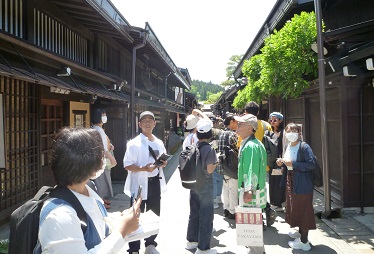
x=12 y=17
x=19 y=180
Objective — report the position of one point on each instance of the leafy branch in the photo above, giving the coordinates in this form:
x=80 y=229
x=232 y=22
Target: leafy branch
x=285 y=63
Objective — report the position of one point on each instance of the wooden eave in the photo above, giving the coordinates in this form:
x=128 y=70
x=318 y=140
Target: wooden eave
x=101 y=17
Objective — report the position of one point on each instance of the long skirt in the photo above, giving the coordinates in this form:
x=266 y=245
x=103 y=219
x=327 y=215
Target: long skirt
x=103 y=185
x=299 y=207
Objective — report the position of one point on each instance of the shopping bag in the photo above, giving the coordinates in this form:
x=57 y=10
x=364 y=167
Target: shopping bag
x=249 y=226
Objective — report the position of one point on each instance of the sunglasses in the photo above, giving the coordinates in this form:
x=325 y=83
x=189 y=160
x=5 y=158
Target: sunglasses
x=273 y=120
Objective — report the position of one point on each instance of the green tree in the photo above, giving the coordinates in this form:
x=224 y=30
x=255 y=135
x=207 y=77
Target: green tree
x=285 y=64
x=212 y=98
x=231 y=66
x=204 y=89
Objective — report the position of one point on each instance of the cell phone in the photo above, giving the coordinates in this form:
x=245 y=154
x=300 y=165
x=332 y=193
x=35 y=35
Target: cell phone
x=163 y=157
x=139 y=193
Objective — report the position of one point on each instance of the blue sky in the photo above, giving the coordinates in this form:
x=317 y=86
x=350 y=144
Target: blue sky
x=200 y=35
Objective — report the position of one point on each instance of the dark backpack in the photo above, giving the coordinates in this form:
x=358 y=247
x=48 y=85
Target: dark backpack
x=24 y=221
x=317 y=172
x=229 y=160
x=270 y=141
x=191 y=167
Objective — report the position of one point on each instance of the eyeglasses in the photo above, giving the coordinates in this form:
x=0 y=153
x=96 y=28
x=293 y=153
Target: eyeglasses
x=273 y=120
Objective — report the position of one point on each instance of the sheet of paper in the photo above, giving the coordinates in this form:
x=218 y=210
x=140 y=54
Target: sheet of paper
x=148 y=225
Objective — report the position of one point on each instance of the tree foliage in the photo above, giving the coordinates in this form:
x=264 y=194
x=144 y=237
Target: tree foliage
x=285 y=63
x=213 y=97
x=204 y=89
x=231 y=66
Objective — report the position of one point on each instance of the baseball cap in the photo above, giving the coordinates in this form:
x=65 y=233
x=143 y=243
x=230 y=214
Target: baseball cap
x=204 y=125
x=248 y=118
x=191 y=121
x=146 y=113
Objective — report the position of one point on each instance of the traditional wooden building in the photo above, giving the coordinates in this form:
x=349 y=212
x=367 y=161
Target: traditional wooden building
x=58 y=61
x=349 y=80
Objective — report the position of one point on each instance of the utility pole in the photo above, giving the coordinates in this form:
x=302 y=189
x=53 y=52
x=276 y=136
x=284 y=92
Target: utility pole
x=322 y=101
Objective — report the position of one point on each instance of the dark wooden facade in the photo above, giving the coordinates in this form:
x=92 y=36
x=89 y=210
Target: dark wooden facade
x=349 y=97
x=59 y=60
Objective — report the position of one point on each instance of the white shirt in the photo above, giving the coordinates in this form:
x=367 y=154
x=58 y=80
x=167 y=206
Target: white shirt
x=189 y=140
x=137 y=153
x=61 y=230
x=103 y=136
x=291 y=154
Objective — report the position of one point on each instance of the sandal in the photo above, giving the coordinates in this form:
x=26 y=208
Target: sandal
x=107 y=202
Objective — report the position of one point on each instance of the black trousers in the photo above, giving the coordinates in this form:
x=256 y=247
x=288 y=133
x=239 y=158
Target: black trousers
x=152 y=203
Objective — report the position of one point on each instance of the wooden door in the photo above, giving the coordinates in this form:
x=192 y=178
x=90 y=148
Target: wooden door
x=51 y=122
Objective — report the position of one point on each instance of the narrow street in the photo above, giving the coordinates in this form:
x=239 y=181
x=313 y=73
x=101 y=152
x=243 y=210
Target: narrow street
x=174 y=219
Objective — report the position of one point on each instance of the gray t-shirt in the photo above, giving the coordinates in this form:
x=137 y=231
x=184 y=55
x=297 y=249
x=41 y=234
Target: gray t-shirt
x=208 y=156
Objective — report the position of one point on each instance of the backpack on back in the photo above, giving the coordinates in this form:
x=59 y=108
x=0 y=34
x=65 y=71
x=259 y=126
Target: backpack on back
x=229 y=160
x=270 y=141
x=24 y=221
x=191 y=167
x=317 y=172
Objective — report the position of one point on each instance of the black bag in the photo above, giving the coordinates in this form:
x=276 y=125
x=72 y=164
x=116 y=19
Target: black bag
x=229 y=160
x=317 y=172
x=270 y=141
x=191 y=167
x=24 y=221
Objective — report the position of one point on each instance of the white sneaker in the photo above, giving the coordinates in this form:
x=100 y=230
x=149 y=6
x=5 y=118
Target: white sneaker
x=210 y=251
x=191 y=245
x=297 y=244
x=215 y=205
x=151 y=249
x=294 y=234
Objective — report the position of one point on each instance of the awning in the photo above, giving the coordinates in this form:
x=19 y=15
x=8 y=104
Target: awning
x=67 y=83
x=159 y=105
x=37 y=78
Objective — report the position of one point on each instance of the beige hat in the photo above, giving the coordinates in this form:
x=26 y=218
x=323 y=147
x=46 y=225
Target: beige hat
x=248 y=118
x=191 y=121
x=146 y=113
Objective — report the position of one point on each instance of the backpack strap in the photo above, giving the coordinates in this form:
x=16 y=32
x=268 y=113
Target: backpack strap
x=65 y=194
x=227 y=138
x=152 y=152
x=301 y=151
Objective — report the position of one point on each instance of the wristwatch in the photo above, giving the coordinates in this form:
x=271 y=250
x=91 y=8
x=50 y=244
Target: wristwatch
x=247 y=189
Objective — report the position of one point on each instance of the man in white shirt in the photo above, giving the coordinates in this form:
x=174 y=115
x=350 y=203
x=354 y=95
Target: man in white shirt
x=138 y=161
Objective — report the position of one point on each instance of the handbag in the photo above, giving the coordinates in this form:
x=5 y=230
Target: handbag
x=108 y=164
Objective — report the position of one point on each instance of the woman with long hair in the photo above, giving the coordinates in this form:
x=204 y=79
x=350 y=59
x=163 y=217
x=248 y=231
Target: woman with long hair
x=277 y=191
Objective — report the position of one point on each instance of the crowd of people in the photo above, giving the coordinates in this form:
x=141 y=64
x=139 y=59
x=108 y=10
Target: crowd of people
x=289 y=178
x=235 y=170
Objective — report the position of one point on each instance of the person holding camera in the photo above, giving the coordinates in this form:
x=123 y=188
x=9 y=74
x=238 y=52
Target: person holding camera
x=139 y=160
